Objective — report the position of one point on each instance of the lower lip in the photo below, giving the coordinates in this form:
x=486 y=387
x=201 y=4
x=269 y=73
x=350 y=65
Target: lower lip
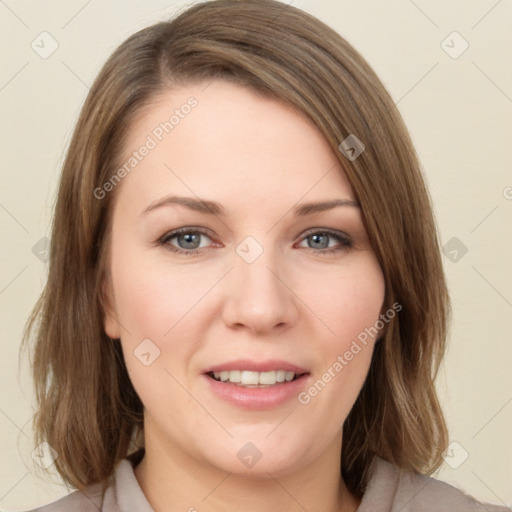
x=257 y=398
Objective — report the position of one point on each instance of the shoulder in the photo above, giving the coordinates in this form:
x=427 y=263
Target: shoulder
x=390 y=488
x=88 y=500
x=120 y=492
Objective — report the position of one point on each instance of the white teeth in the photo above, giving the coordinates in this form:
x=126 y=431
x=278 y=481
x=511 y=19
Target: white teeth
x=267 y=378
x=249 y=378
x=280 y=375
x=235 y=376
x=253 y=379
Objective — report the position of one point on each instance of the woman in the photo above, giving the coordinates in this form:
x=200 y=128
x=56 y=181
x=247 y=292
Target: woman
x=245 y=305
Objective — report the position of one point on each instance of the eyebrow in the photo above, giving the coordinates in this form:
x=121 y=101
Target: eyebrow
x=214 y=208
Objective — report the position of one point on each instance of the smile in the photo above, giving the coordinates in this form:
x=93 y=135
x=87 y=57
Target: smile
x=256 y=384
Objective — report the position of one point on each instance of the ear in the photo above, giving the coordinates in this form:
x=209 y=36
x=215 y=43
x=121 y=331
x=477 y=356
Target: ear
x=110 y=323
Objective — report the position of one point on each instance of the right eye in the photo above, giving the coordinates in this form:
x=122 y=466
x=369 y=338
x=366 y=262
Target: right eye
x=187 y=240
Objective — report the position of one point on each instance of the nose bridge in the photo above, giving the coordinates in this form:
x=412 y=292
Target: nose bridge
x=258 y=297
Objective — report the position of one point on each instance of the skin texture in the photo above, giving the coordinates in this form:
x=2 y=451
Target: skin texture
x=259 y=159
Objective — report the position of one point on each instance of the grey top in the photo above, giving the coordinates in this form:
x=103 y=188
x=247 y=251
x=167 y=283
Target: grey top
x=388 y=490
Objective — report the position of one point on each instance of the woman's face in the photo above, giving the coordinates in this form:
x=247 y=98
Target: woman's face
x=255 y=288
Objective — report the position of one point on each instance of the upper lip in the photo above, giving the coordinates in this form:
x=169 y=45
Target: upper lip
x=257 y=366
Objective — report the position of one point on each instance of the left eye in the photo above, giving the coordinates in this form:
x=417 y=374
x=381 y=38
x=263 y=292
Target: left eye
x=320 y=240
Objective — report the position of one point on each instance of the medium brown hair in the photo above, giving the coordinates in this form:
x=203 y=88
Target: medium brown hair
x=88 y=410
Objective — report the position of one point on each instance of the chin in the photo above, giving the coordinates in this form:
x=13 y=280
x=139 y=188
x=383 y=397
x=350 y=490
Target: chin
x=259 y=457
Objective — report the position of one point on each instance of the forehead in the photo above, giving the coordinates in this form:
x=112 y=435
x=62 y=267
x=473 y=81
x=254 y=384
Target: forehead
x=224 y=141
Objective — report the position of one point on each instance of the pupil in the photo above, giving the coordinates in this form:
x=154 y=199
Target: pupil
x=317 y=236
x=190 y=238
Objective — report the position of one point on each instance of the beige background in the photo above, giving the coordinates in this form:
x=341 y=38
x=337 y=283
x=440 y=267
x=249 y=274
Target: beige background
x=457 y=109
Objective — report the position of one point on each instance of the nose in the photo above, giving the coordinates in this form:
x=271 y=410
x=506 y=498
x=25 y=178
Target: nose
x=258 y=296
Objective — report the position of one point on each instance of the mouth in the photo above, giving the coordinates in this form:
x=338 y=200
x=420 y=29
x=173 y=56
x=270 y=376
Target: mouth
x=255 y=379
x=252 y=384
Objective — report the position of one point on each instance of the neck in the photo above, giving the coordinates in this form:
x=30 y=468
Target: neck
x=172 y=480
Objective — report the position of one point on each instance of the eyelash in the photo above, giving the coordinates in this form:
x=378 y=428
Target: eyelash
x=339 y=237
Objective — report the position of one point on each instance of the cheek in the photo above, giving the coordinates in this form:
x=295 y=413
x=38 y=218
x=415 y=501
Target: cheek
x=351 y=310
x=352 y=302
x=155 y=306
x=163 y=303
x=152 y=297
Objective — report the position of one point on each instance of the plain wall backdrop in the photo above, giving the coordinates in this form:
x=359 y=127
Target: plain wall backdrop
x=457 y=104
